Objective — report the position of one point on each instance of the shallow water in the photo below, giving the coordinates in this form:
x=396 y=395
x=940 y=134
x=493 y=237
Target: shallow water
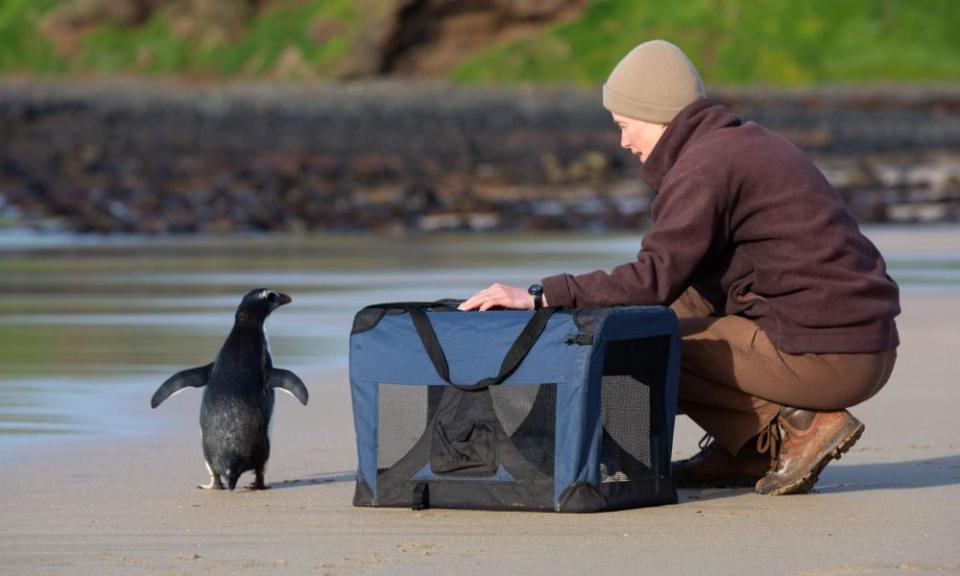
x=85 y=321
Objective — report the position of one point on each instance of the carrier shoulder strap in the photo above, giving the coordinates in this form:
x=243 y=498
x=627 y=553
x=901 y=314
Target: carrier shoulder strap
x=518 y=351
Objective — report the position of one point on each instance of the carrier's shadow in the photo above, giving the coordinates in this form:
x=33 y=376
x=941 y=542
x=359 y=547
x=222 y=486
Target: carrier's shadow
x=322 y=478
x=837 y=478
x=699 y=495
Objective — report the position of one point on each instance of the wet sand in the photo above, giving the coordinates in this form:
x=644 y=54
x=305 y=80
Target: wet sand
x=130 y=506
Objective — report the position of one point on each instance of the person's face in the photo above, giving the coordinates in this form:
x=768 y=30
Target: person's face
x=637 y=136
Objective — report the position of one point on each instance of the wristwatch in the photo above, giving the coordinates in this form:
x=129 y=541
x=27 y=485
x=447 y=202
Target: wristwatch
x=536 y=291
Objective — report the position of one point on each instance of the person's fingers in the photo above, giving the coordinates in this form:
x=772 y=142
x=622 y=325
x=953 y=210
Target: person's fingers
x=511 y=297
x=489 y=298
x=474 y=302
x=489 y=303
x=498 y=295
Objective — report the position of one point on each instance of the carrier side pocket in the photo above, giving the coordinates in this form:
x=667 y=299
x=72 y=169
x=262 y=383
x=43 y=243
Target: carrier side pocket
x=465 y=435
x=467 y=448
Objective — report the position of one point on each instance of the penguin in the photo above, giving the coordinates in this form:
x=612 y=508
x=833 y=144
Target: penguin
x=238 y=394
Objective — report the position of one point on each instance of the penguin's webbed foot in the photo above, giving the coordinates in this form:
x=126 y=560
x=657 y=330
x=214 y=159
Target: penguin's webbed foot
x=258 y=483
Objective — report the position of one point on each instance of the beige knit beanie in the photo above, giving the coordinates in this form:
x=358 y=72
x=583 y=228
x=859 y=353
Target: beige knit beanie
x=652 y=83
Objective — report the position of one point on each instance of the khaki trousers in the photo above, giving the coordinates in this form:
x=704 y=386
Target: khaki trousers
x=734 y=380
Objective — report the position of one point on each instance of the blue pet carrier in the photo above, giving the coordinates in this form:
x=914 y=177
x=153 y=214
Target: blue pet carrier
x=565 y=410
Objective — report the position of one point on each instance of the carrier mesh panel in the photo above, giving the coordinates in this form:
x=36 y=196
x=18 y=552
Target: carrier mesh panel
x=528 y=416
x=513 y=404
x=626 y=415
x=402 y=416
x=630 y=369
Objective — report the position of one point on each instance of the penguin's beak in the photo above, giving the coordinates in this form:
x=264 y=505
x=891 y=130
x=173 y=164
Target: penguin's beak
x=284 y=299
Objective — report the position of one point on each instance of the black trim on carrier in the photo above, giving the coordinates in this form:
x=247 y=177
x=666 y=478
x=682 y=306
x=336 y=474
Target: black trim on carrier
x=586 y=497
x=591 y=409
x=368 y=317
x=461 y=474
x=362 y=495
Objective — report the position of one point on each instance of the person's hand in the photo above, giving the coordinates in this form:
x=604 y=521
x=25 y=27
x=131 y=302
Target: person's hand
x=499 y=295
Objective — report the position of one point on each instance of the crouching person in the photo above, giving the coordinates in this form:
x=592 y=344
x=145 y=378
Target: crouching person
x=786 y=310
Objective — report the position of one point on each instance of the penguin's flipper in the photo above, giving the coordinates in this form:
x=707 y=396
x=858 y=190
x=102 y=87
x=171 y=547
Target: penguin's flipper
x=194 y=377
x=288 y=382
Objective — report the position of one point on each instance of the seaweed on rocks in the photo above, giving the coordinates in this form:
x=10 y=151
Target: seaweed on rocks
x=153 y=158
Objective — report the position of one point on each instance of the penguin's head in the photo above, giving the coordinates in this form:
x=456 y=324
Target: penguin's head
x=258 y=303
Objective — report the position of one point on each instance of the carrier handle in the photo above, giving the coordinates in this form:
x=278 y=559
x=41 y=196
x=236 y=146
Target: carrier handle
x=446 y=305
x=518 y=351
x=363 y=321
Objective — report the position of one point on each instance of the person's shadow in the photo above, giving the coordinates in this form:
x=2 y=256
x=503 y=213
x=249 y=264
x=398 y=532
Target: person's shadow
x=837 y=478
x=927 y=473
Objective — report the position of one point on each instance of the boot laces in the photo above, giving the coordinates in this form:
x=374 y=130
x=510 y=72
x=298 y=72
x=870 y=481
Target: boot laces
x=705 y=441
x=769 y=440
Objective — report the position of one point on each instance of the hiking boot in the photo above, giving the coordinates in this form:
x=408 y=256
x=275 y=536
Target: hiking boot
x=714 y=467
x=810 y=440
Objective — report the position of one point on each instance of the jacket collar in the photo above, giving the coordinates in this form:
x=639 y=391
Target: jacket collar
x=691 y=123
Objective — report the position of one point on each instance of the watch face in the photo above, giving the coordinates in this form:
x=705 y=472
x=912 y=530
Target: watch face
x=536 y=291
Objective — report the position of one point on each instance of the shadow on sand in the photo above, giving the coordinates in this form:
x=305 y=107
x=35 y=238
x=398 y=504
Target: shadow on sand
x=927 y=473
x=836 y=478
x=322 y=478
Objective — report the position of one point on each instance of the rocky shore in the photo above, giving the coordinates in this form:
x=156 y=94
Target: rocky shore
x=156 y=157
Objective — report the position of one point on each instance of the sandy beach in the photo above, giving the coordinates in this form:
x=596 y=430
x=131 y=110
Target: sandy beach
x=129 y=505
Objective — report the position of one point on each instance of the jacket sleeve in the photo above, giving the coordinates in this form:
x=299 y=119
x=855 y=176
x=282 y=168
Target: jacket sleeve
x=688 y=228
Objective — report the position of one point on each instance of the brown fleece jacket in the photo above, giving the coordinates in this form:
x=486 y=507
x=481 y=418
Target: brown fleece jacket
x=743 y=216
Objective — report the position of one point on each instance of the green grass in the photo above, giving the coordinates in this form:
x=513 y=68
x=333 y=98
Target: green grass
x=743 y=42
x=151 y=48
x=21 y=46
x=772 y=42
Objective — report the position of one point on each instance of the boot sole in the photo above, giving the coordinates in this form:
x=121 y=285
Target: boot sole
x=804 y=484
